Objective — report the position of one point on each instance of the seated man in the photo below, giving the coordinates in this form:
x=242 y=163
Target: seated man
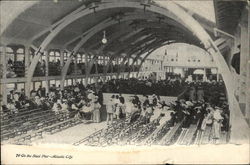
x=5 y=109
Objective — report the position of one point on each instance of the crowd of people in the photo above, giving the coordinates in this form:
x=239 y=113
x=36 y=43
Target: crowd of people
x=199 y=110
x=78 y=100
x=203 y=103
x=170 y=87
x=15 y=68
x=97 y=68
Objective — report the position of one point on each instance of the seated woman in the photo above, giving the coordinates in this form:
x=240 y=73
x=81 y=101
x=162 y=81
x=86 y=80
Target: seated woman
x=156 y=113
x=120 y=110
x=149 y=113
x=45 y=105
x=74 y=109
x=129 y=107
x=56 y=107
x=11 y=106
x=65 y=106
x=86 y=111
x=135 y=113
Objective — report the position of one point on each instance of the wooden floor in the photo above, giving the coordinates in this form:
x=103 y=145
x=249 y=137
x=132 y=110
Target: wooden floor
x=72 y=134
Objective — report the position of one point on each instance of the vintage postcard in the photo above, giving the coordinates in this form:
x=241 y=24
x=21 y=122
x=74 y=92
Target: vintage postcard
x=124 y=81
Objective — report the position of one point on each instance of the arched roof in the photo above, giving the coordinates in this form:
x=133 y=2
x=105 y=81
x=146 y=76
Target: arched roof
x=135 y=28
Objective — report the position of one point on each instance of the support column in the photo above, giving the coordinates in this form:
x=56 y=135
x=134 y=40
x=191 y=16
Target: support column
x=4 y=71
x=248 y=70
x=46 y=71
x=205 y=75
x=27 y=59
x=75 y=65
x=26 y=64
x=86 y=69
x=244 y=58
x=96 y=63
x=112 y=68
x=104 y=64
x=61 y=66
x=61 y=58
x=217 y=75
x=4 y=62
x=15 y=48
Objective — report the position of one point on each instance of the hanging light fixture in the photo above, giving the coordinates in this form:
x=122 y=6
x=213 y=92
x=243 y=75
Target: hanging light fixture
x=104 y=39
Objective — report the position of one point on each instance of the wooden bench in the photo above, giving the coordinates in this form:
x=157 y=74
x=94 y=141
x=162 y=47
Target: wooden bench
x=20 y=112
x=170 y=137
x=38 y=133
x=58 y=127
x=153 y=137
x=187 y=140
x=28 y=137
x=18 y=122
x=206 y=135
x=17 y=116
x=88 y=138
x=96 y=136
x=24 y=129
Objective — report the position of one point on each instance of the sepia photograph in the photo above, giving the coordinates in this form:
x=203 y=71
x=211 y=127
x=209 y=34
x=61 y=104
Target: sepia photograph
x=124 y=81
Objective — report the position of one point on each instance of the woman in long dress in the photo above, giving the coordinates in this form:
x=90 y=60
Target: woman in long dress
x=110 y=110
x=96 y=112
x=217 y=120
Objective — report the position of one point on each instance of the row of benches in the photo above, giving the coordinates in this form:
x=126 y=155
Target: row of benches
x=22 y=118
x=98 y=134
x=21 y=112
x=56 y=127
x=21 y=127
x=50 y=123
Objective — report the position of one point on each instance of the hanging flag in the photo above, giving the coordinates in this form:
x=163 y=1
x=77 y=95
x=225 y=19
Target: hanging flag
x=166 y=52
